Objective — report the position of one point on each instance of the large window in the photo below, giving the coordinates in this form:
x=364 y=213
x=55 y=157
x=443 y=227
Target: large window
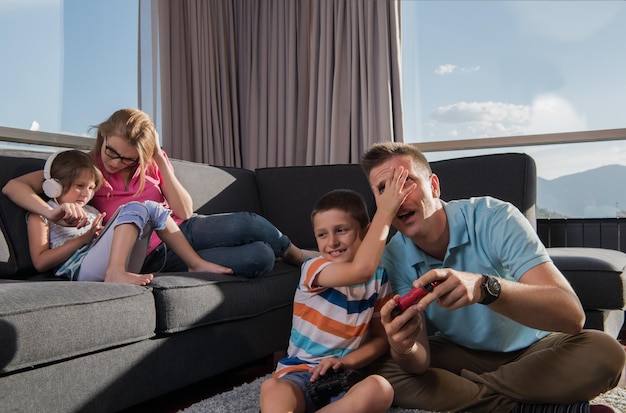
x=471 y=70
x=66 y=65
x=476 y=69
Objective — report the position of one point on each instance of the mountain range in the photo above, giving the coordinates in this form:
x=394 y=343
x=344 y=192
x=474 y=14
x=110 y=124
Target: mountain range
x=596 y=193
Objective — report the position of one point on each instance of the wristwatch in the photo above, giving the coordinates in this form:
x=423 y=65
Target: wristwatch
x=491 y=289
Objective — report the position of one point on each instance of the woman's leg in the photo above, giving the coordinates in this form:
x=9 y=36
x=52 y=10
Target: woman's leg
x=174 y=238
x=249 y=260
x=243 y=241
x=233 y=229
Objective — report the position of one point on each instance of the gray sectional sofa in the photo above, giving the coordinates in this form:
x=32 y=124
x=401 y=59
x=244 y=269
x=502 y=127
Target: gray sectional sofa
x=96 y=347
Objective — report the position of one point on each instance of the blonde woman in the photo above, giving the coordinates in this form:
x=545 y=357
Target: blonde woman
x=135 y=168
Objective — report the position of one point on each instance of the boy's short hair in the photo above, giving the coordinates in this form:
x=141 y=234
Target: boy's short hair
x=345 y=200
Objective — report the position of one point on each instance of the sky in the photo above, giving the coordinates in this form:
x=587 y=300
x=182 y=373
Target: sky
x=74 y=63
x=470 y=69
x=476 y=69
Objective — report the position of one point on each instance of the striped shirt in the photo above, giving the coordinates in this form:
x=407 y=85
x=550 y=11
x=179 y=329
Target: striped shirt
x=330 y=322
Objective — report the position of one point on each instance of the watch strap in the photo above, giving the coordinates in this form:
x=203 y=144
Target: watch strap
x=488 y=296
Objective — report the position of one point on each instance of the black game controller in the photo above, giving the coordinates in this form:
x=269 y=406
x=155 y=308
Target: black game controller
x=331 y=384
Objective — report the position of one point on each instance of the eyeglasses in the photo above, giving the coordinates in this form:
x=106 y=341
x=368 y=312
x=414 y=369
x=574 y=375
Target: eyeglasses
x=113 y=155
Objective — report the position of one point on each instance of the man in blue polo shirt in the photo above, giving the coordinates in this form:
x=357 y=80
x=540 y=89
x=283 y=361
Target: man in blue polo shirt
x=509 y=326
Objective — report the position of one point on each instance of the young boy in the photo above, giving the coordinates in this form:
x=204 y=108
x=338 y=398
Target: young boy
x=336 y=324
x=114 y=253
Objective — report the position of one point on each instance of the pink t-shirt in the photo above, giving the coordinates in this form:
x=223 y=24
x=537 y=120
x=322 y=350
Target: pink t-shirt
x=112 y=194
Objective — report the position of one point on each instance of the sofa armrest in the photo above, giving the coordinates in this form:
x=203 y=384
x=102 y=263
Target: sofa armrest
x=598 y=275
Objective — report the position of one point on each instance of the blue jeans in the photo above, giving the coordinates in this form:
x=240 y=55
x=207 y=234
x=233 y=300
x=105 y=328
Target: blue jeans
x=90 y=262
x=243 y=241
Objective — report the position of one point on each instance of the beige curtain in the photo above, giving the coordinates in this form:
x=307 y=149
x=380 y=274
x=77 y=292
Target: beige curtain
x=199 y=91
x=278 y=82
x=354 y=91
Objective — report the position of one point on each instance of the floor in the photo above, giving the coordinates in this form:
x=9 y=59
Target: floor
x=183 y=398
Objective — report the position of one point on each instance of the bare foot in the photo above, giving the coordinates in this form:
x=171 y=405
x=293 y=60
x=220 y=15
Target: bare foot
x=307 y=254
x=297 y=256
x=206 y=266
x=124 y=277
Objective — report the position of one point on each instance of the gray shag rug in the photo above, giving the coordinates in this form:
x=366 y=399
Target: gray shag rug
x=245 y=399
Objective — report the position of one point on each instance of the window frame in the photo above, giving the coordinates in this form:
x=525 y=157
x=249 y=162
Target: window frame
x=82 y=142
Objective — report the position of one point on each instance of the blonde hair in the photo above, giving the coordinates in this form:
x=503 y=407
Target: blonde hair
x=138 y=129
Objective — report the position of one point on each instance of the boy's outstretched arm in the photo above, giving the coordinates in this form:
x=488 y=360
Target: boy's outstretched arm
x=367 y=258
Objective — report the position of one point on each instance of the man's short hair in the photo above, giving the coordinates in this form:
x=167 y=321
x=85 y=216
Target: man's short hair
x=382 y=152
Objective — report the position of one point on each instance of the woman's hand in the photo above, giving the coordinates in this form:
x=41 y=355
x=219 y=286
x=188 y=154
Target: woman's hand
x=158 y=152
x=68 y=215
x=177 y=197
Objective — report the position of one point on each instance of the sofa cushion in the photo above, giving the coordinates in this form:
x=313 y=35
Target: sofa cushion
x=288 y=194
x=189 y=300
x=597 y=275
x=44 y=322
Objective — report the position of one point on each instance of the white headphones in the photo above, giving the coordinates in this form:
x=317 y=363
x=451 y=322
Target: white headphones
x=51 y=187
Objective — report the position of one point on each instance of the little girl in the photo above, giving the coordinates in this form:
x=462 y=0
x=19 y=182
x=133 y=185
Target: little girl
x=114 y=253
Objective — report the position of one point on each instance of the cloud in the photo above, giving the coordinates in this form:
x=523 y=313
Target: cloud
x=34 y=126
x=469 y=120
x=445 y=69
x=448 y=69
x=554 y=114
x=482 y=112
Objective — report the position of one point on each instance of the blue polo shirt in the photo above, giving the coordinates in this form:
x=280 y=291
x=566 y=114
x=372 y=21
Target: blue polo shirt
x=487 y=236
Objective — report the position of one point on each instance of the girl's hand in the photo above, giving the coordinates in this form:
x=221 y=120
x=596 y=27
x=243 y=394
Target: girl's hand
x=96 y=228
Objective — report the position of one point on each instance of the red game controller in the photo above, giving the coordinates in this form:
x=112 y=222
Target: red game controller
x=412 y=297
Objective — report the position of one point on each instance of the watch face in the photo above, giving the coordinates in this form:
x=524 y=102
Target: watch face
x=493 y=286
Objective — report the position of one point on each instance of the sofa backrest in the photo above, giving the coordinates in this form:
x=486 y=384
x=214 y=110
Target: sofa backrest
x=219 y=189
x=289 y=193
x=284 y=195
x=510 y=177
x=15 y=262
